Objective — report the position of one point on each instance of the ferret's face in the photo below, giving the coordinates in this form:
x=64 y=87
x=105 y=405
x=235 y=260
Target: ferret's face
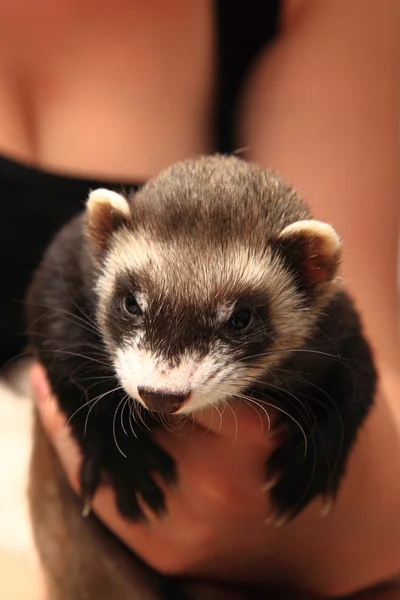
x=190 y=320
x=183 y=335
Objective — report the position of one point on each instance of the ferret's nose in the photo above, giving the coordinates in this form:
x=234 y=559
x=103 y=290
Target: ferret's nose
x=162 y=401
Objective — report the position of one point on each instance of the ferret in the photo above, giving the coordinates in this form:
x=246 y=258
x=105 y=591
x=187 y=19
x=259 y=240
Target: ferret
x=212 y=284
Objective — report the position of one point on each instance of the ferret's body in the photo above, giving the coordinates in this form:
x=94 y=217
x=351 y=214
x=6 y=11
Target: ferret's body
x=212 y=284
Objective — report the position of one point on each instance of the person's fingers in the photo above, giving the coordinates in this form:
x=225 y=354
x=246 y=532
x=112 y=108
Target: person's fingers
x=55 y=425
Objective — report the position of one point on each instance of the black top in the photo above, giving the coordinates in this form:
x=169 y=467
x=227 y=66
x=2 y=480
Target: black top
x=244 y=29
x=34 y=204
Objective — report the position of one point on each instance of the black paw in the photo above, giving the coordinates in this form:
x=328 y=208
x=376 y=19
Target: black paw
x=133 y=477
x=130 y=486
x=302 y=469
x=159 y=461
x=295 y=481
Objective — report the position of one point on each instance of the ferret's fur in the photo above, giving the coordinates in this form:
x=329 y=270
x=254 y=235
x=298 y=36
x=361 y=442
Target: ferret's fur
x=211 y=284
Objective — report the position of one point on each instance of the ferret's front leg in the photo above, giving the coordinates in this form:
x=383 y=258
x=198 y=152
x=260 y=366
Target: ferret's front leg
x=311 y=460
x=126 y=460
x=131 y=475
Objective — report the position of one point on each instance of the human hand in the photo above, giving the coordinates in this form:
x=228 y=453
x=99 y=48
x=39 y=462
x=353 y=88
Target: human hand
x=215 y=523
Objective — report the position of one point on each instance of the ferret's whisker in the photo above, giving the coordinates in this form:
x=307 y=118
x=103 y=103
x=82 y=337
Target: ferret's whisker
x=98 y=398
x=227 y=404
x=131 y=404
x=139 y=414
x=84 y=356
x=253 y=401
x=86 y=317
x=113 y=428
x=122 y=414
x=76 y=319
x=87 y=403
x=279 y=409
x=215 y=407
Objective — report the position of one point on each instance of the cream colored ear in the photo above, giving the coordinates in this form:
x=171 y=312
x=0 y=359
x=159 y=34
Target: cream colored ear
x=106 y=211
x=100 y=198
x=313 y=249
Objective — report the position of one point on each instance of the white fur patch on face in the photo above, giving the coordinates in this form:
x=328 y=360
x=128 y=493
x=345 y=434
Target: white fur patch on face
x=142 y=301
x=209 y=380
x=139 y=368
x=224 y=312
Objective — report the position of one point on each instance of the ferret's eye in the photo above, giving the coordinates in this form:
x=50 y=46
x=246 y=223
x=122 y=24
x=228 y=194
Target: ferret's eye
x=131 y=306
x=240 y=319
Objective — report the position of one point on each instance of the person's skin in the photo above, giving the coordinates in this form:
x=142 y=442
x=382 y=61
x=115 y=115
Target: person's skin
x=322 y=107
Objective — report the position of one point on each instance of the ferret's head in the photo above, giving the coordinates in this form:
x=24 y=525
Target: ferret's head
x=209 y=277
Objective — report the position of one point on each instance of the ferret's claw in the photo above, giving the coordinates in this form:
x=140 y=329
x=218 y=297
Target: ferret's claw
x=327 y=507
x=281 y=521
x=276 y=520
x=87 y=507
x=268 y=485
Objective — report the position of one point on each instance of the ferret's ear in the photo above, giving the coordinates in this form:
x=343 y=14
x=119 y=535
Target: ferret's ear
x=106 y=211
x=312 y=249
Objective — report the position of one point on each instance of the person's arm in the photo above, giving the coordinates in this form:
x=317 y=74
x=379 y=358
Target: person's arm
x=322 y=107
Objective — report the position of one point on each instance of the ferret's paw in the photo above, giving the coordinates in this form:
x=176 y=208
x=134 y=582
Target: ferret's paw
x=129 y=485
x=134 y=478
x=158 y=461
x=127 y=503
x=153 y=496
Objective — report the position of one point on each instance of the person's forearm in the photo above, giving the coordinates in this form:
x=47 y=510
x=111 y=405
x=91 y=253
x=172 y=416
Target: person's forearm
x=322 y=107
